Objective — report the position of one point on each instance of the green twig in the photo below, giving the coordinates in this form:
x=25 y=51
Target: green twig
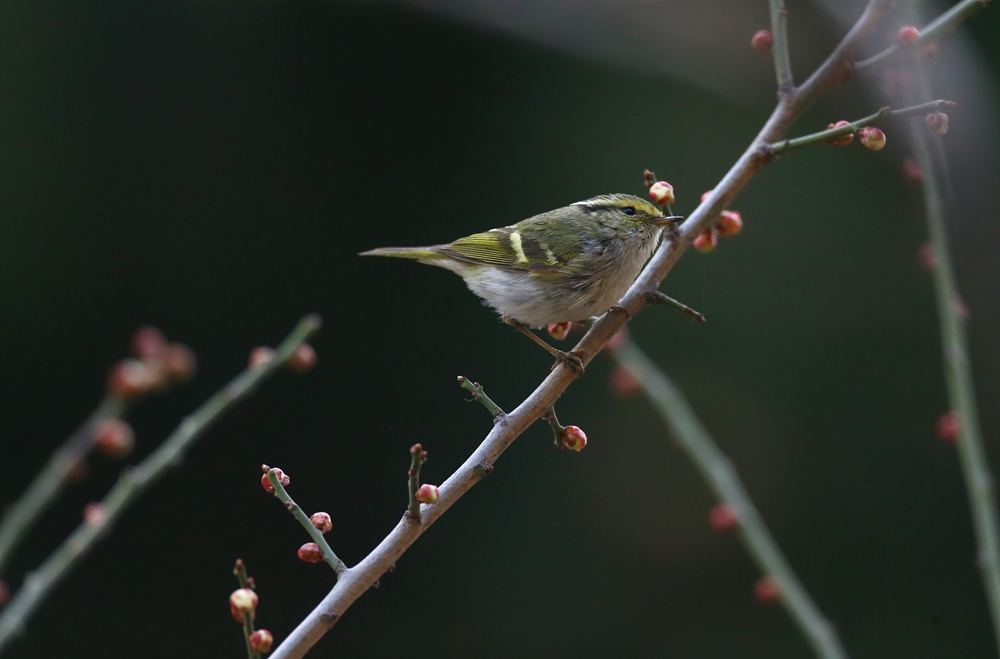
x=783 y=147
x=656 y=297
x=779 y=47
x=240 y=570
x=478 y=394
x=136 y=480
x=329 y=557
x=557 y=428
x=718 y=471
x=417 y=458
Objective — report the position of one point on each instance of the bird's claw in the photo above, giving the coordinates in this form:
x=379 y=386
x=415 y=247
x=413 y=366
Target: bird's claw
x=573 y=359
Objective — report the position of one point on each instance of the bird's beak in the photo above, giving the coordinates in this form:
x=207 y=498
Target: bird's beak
x=665 y=220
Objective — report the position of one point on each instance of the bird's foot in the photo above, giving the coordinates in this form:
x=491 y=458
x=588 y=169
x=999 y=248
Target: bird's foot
x=573 y=359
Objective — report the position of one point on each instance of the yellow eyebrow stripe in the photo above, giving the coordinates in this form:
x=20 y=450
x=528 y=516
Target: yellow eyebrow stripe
x=515 y=243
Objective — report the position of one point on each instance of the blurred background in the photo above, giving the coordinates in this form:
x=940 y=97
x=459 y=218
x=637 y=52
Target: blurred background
x=213 y=168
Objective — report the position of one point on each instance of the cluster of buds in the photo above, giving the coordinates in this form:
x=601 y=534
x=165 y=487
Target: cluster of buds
x=730 y=223
x=157 y=365
x=303 y=359
x=871 y=137
x=243 y=605
x=279 y=474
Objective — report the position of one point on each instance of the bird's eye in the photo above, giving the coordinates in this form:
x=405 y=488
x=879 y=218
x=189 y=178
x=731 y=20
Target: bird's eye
x=628 y=210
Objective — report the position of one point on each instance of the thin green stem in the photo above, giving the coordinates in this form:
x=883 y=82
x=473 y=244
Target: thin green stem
x=136 y=480
x=240 y=571
x=785 y=146
x=656 y=297
x=722 y=479
x=282 y=495
x=417 y=457
x=779 y=48
x=478 y=394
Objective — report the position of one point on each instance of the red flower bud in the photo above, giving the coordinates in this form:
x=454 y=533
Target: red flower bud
x=427 y=494
x=706 y=242
x=907 y=35
x=260 y=356
x=113 y=437
x=303 y=359
x=321 y=521
x=131 y=378
x=93 y=513
x=948 y=427
x=310 y=553
x=761 y=41
x=872 y=138
x=662 y=193
x=559 y=331
x=766 y=591
x=705 y=195
x=937 y=122
x=242 y=600
x=573 y=438
x=843 y=140
x=147 y=342
x=282 y=478
x=624 y=383
x=730 y=223
x=261 y=640
x=178 y=361
x=722 y=518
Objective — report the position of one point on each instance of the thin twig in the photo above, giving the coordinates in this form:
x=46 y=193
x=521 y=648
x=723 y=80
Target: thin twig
x=884 y=114
x=480 y=395
x=722 y=479
x=282 y=495
x=779 y=47
x=136 y=480
x=240 y=571
x=49 y=482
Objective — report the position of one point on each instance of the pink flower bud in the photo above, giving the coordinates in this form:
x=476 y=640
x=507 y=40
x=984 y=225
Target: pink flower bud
x=303 y=359
x=911 y=171
x=242 y=600
x=662 y=193
x=261 y=640
x=93 y=513
x=948 y=427
x=722 y=518
x=573 y=438
x=705 y=195
x=907 y=35
x=706 y=242
x=321 y=521
x=113 y=437
x=179 y=362
x=761 y=41
x=872 y=138
x=131 y=378
x=260 y=356
x=648 y=178
x=559 y=331
x=925 y=257
x=730 y=223
x=624 y=383
x=843 y=140
x=937 y=122
x=147 y=342
x=427 y=494
x=766 y=591
x=310 y=553
x=282 y=478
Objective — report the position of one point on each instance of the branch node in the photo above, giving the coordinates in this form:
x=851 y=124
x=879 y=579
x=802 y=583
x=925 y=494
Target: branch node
x=482 y=471
x=478 y=394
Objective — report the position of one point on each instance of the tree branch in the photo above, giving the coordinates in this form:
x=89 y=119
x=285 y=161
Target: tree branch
x=282 y=495
x=779 y=48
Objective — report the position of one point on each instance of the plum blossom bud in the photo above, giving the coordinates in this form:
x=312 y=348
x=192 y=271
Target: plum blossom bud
x=261 y=640
x=648 y=178
x=147 y=342
x=93 y=513
x=321 y=521
x=705 y=195
x=706 y=242
x=113 y=437
x=761 y=41
x=843 y=140
x=730 y=223
x=131 y=378
x=907 y=35
x=872 y=138
x=573 y=438
x=426 y=494
x=948 y=427
x=624 y=383
x=662 y=193
x=259 y=356
x=937 y=122
x=303 y=359
x=766 y=591
x=242 y=600
x=281 y=476
x=178 y=361
x=722 y=518
x=310 y=553
x=559 y=331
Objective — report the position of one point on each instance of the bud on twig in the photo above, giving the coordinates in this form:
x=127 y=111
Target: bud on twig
x=573 y=438
x=722 y=518
x=310 y=553
x=766 y=591
x=730 y=223
x=762 y=41
x=148 y=342
x=261 y=640
x=260 y=356
x=843 y=140
x=427 y=493
x=706 y=242
x=243 y=600
x=93 y=513
x=937 y=122
x=662 y=193
x=559 y=331
x=321 y=521
x=948 y=427
x=113 y=437
x=130 y=378
x=281 y=476
x=178 y=361
x=907 y=35
x=303 y=359
x=872 y=138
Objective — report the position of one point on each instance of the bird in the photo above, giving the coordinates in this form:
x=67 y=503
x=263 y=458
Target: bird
x=567 y=264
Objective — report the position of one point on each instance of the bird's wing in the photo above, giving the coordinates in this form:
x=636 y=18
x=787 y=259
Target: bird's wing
x=524 y=247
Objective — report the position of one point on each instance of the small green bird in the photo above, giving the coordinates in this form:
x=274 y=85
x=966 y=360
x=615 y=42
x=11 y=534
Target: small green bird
x=567 y=264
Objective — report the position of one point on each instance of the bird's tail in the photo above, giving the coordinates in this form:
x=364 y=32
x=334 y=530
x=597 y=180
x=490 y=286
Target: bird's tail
x=418 y=253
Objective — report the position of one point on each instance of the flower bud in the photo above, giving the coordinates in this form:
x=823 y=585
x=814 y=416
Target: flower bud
x=310 y=553
x=559 y=331
x=937 y=122
x=113 y=437
x=573 y=438
x=624 y=383
x=948 y=427
x=259 y=356
x=761 y=41
x=179 y=362
x=907 y=35
x=662 y=193
x=130 y=378
x=147 y=342
x=706 y=242
x=911 y=170
x=321 y=521
x=648 y=178
x=93 y=513
x=242 y=600
x=843 y=140
x=303 y=359
x=766 y=591
x=705 y=195
x=427 y=494
x=261 y=640
x=282 y=478
x=722 y=518
x=730 y=223
x=872 y=138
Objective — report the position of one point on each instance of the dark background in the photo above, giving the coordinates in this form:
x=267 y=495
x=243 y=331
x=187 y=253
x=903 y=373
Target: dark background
x=213 y=168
